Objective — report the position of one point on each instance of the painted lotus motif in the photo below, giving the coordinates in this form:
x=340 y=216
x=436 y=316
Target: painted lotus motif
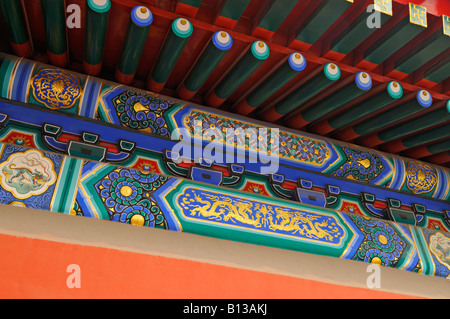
x=27 y=173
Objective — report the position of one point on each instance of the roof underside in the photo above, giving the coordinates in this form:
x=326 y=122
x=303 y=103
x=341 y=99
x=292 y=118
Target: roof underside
x=415 y=56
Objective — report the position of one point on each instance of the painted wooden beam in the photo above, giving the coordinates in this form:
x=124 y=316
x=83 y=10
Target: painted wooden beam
x=55 y=29
x=427 y=150
x=13 y=15
x=440 y=74
x=392 y=92
x=97 y=17
x=138 y=27
x=422 y=100
x=215 y=51
x=417 y=124
x=394 y=40
x=295 y=63
x=330 y=74
x=152 y=122
x=139 y=198
x=359 y=30
x=253 y=58
x=177 y=38
x=426 y=137
x=361 y=84
x=273 y=18
x=431 y=47
x=231 y=13
x=321 y=19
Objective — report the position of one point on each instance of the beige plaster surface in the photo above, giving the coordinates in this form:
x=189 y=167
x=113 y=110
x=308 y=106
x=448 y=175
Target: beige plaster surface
x=24 y=222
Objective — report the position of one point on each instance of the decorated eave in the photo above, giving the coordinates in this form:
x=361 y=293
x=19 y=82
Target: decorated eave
x=98 y=106
x=411 y=48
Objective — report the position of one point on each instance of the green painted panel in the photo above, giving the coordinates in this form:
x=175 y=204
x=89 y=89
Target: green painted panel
x=194 y=3
x=415 y=125
x=428 y=136
x=428 y=49
x=321 y=19
x=392 y=41
x=234 y=9
x=440 y=74
x=277 y=13
x=439 y=147
x=355 y=33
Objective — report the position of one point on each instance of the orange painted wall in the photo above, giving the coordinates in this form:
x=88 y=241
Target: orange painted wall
x=35 y=268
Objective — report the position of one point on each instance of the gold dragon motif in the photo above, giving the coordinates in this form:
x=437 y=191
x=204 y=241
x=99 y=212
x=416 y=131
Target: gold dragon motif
x=226 y=209
x=302 y=223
